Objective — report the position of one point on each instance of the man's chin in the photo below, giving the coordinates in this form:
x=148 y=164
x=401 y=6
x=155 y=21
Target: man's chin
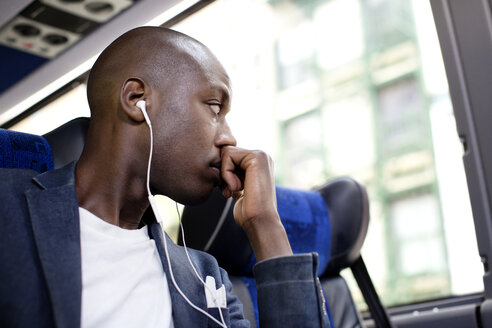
x=195 y=198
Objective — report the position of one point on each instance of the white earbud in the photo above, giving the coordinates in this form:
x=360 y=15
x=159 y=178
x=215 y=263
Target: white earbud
x=141 y=104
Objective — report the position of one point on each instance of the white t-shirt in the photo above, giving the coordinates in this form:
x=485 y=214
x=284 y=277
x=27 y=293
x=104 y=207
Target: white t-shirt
x=123 y=283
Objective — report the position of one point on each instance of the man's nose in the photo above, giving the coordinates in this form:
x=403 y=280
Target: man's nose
x=225 y=137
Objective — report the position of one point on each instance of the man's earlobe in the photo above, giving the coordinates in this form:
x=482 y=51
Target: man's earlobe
x=133 y=91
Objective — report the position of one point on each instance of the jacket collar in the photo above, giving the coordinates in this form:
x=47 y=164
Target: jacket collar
x=54 y=217
x=57 y=178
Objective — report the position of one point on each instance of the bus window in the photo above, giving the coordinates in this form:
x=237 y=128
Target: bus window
x=63 y=109
x=358 y=88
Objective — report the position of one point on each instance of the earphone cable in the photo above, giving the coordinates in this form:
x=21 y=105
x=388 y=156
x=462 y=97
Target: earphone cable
x=156 y=213
x=193 y=266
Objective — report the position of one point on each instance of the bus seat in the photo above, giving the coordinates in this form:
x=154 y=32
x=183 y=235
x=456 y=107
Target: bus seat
x=24 y=151
x=67 y=141
x=41 y=153
x=332 y=220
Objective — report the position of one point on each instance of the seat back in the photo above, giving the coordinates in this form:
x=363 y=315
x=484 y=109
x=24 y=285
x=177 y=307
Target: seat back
x=24 y=151
x=42 y=153
x=348 y=205
x=332 y=220
x=67 y=141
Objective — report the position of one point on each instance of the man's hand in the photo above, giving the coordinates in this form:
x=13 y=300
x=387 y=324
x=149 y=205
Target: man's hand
x=248 y=176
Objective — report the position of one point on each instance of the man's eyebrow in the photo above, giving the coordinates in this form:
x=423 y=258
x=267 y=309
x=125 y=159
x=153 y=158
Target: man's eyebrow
x=223 y=89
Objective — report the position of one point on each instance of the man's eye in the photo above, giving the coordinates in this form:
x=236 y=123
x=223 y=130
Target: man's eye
x=215 y=108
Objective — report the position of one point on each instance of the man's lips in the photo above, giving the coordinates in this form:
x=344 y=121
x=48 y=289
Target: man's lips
x=216 y=164
x=215 y=168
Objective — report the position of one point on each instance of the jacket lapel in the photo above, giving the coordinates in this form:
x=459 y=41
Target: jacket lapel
x=183 y=314
x=55 y=223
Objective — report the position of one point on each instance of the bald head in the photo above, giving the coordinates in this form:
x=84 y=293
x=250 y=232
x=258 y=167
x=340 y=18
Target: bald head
x=187 y=95
x=155 y=55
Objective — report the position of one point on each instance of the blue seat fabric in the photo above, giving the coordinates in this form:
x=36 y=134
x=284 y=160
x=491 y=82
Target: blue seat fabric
x=24 y=151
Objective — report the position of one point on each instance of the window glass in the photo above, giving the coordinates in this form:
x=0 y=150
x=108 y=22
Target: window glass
x=65 y=108
x=355 y=87
x=348 y=134
x=331 y=18
x=301 y=145
x=403 y=124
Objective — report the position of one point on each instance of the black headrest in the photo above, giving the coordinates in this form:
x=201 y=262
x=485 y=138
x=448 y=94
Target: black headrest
x=348 y=206
x=210 y=227
x=67 y=141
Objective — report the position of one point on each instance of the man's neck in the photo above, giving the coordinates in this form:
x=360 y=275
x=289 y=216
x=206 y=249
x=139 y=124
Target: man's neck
x=111 y=192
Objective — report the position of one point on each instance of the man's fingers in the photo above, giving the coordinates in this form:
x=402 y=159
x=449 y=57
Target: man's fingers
x=237 y=195
x=226 y=191
x=231 y=180
x=232 y=173
x=251 y=170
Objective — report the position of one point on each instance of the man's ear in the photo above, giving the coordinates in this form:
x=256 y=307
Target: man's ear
x=133 y=90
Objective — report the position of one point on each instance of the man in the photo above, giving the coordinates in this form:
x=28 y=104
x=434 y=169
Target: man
x=72 y=246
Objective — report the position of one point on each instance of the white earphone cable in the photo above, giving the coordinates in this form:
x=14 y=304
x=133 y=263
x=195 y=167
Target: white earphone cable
x=193 y=266
x=158 y=217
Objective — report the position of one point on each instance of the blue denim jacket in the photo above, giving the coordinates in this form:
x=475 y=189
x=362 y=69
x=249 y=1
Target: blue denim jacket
x=40 y=265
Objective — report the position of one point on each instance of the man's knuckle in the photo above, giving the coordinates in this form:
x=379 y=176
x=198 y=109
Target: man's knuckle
x=261 y=155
